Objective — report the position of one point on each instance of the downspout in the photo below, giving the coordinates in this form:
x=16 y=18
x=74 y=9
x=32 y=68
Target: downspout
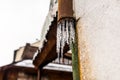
x=66 y=33
x=38 y=74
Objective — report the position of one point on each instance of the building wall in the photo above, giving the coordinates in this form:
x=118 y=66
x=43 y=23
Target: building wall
x=19 y=54
x=36 y=44
x=17 y=75
x=20 y=51
x=55 y=75
x=98 y=30
x=29 y=52
x=1 y=75
x=24 y=76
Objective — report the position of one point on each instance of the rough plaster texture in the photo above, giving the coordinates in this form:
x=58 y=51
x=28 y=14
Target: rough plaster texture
x=99 y=38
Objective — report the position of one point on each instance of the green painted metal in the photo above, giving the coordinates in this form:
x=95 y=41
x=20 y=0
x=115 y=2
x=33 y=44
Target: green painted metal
x=75 y=62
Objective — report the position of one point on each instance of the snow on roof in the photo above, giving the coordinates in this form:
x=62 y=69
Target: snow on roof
x=58 y=67
x=49 y=18
x=35 y=55
x=25 y=63
x=50 y=66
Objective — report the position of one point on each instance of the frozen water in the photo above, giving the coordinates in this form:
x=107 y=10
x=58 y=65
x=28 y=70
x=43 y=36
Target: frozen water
x=58 y=38
x=72 y=32
x=65 y=34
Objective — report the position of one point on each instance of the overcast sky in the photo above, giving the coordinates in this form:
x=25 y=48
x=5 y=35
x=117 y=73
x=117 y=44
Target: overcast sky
x=20 y=23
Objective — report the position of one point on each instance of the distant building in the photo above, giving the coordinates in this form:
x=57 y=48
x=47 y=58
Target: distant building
x=21 y=68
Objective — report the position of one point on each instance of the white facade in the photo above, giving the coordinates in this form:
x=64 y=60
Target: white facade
x=99 y=38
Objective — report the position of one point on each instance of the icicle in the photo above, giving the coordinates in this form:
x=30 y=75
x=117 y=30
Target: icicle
x=62 y=39
x=58 y=39
x=65 y=34
x=72 y=31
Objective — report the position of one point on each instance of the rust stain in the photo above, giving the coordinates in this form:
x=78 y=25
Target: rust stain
x=65 y=8
x=85 y=65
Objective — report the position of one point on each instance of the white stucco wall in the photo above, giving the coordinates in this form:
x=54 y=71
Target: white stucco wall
x=99 y=38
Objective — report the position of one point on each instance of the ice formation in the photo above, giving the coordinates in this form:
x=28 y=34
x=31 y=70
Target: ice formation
x=65 y=34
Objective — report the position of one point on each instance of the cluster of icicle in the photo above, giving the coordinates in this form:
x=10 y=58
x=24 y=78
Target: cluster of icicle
x=65 y=34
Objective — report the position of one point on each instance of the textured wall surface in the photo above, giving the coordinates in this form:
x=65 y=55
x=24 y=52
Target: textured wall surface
x=99 y=38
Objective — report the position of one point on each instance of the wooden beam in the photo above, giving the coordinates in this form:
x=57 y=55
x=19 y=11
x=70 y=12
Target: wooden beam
x=47 y=46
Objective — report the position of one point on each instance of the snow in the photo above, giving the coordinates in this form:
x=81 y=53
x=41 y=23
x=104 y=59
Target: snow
x=51 y=66
x=58 y=67
x=47 y=23
x=49 y=19
x=35 y=55
x=25 y=63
